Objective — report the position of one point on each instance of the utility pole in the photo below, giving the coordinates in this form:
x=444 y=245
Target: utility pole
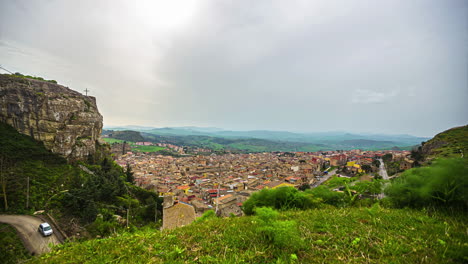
x=156 y=211
x=217 y=197
x=27 y=195
x=128 y=209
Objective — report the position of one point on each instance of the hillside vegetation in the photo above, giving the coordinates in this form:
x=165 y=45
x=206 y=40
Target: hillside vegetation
x=423 y=220
x=11 y=247
x=87 y=193
x=227 y=142
x=329 y=235
x=450 y=143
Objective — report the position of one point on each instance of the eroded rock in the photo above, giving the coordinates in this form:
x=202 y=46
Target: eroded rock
x=68 y=122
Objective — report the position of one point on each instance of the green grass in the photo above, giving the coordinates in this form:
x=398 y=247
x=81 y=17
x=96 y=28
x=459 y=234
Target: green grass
x=331 y=235
x=335 y=181
x=456 y=140
x=11 y=247
x=112 y=140
x=136 y=148
x=146 y=148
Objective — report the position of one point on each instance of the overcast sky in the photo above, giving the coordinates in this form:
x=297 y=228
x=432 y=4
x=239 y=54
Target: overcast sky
x=389 y=67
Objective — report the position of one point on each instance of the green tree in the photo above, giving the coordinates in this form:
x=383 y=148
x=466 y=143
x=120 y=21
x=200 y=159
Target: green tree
x=304 y=186
x=387 y=157
x=366 y=168
x=129 y=174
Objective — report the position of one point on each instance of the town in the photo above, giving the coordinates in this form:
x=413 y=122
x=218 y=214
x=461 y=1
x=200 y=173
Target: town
x=223 y=182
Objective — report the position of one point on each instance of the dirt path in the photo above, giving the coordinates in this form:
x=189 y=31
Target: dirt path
x=26 y=226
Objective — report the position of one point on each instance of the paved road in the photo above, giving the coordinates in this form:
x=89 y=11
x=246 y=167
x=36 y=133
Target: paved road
x=382 y=170
x=323 y=178
x=384 y=174
x=26 y=226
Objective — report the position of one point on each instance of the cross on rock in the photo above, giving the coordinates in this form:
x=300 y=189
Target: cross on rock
x=86 y=91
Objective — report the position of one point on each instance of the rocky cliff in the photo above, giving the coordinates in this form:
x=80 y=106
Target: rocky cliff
x=68 y=122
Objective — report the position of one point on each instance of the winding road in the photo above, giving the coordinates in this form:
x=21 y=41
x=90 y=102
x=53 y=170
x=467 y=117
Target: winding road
x=384 y=174
x=323 y=178
x=26 y=226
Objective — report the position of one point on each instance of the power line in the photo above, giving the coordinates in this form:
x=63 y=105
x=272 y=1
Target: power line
x=1 y=67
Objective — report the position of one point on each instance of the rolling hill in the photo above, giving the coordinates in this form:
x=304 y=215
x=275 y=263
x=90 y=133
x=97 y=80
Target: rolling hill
x=264 y=140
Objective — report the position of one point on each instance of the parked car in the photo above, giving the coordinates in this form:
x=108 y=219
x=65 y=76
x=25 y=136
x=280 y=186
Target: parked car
x=45 y=229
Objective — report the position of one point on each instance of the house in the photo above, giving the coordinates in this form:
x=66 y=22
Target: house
x=292 y=179
x=228 y=205
x=307 y=169
x=225 y=200
x=179 y=214
x=163 y=191
x=406 y=164
x=184 y=188
x=353 y=167
x=199 y=206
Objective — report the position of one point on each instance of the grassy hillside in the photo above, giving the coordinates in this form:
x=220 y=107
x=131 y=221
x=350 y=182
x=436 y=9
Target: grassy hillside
x=22 y=157
x=450 y=143
x=331 y=235
x=136 y=148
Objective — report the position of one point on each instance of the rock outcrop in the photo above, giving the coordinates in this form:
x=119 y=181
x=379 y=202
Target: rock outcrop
x=68 y=122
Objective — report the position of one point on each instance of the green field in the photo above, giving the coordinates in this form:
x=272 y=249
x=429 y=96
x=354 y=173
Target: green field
x=112 y=140
x=136 y=148
x=146 y=148
x=328 y=235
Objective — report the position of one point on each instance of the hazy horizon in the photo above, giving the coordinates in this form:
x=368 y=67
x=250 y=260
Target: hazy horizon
x=272 y=130
x=361 y=66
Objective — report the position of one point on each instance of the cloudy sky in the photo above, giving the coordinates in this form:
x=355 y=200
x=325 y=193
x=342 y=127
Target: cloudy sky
x=361 y=66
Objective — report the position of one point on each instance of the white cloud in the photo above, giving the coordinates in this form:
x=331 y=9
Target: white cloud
x=366 y=96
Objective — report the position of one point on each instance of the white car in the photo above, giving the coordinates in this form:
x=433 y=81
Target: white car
x=45 y=229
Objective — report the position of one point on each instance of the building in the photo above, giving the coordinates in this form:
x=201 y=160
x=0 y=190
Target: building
x=179 y=214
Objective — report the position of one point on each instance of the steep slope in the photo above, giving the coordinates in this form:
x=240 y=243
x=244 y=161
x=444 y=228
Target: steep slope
x=68 y=122
x=450 y=143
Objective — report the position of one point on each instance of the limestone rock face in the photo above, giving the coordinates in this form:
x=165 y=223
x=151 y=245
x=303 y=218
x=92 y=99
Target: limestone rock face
x=68 y=122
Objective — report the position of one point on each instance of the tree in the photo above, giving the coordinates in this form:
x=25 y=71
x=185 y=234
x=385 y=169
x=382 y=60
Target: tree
x=304 y=187
x=376 y=163
x=387 y=157
x=3 y=180
x=129 y=174
x=377 y=176
x=366 y=168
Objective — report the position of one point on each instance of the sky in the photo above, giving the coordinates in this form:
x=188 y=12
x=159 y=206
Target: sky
x=389 y=66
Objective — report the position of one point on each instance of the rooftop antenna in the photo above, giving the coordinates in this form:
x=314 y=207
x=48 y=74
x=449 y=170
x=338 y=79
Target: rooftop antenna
x=86 y=91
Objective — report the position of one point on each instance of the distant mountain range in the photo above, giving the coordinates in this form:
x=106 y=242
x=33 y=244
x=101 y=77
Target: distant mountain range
x=265 y=140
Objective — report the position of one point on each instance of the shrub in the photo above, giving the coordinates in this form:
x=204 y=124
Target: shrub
x=328 y=196
x=281 y=198
x=206 y=215
x=443 y=184
x=282 y=234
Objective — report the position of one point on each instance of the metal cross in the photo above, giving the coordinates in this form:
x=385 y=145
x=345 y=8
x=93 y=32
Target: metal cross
x=86 y=91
